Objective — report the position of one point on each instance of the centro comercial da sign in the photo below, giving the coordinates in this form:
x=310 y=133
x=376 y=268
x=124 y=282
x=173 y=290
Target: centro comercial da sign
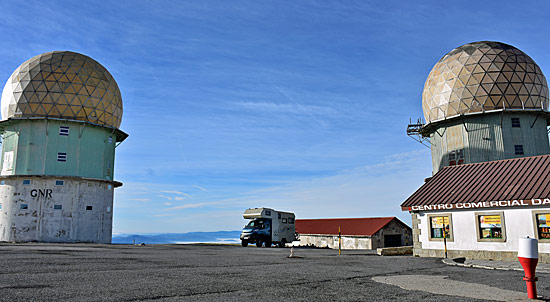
x=481 y=204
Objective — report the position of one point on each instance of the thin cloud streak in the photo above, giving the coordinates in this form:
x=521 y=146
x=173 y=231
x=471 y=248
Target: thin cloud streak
x=191 y=206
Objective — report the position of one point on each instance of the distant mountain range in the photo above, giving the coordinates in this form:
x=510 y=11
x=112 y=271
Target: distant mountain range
x=182 y=238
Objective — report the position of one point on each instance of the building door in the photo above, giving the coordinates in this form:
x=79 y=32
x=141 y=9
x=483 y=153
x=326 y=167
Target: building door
x=392 y=240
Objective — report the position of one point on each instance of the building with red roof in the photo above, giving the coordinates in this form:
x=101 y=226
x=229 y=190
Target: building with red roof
x=356 y=233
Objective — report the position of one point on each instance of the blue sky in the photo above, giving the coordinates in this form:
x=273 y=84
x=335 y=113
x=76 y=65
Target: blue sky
x=296 y=105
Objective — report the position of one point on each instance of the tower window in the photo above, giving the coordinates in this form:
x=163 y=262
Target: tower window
x=26 y=181
x=515 y=122
x=456 y=157
x=518 y=149
x=59 y=182
x=89 y=208
x=64 y=130
x=24 y=206
x=57 y=207
x=61 y=156
x=110 y=139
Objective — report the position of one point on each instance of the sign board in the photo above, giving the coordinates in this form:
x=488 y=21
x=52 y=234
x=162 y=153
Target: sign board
x=489 y=221
x=481 y=204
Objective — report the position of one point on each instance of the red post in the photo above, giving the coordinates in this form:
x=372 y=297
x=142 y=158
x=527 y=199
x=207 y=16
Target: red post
x=528 y=255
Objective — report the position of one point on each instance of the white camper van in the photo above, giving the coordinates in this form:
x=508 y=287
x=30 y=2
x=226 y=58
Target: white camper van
x=267 y=227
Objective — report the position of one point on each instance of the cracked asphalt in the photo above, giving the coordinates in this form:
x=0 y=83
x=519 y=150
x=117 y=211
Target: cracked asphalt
x=87 y=272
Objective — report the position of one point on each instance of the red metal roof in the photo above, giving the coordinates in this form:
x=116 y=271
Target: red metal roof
x=348 y=226
x=523 y=178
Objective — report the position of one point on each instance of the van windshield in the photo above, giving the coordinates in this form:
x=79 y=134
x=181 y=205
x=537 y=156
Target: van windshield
x=255 y=224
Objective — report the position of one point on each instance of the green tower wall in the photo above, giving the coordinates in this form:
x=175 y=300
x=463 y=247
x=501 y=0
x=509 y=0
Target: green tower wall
x=488 y=137
x=35 y=145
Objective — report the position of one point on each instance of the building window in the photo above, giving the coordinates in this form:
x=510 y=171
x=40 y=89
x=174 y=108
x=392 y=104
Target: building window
x=89 y=208
x=441 y=227
x=59 y=182
x=26 y=181
x=108 y=209
x=109 y=187
x=542 y=225
x=110 y=139
x=64 y=130
x=0 y=206
x=515 y=122
x=456 y=157
x=61 y=156
x=57 y=207
x=518 y=149
x=284 y=220
x=490 y=227
x=24 y=206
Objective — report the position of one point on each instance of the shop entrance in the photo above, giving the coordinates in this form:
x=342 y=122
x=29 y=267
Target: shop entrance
x=392 y=240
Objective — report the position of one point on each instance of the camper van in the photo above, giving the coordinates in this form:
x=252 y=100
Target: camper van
x=267 y=227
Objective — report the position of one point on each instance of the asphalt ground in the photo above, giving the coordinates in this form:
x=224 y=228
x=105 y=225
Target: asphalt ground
x=86 y=272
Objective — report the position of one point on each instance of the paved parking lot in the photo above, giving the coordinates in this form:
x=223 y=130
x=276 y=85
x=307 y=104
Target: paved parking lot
x=85 y=272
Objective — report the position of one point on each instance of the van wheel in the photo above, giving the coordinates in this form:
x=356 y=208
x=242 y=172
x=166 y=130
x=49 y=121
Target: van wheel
x=282 y=243
x=268 y=243
x=259 y=243
x=244 y=243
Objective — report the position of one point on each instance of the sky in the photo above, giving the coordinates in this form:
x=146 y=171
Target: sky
x=299 y=106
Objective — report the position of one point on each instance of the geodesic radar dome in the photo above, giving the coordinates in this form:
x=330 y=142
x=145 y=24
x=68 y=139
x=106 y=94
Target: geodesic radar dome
x=480 y=77
x=63 y=84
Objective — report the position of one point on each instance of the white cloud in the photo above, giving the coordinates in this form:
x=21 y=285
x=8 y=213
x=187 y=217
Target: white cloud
x=292 y=108
x=173 y=192
x=167 y=197
x=141 y=199
x=200 y=188
x=167 y=203
x=179 y=198
x=191 y=206
x=164 y=215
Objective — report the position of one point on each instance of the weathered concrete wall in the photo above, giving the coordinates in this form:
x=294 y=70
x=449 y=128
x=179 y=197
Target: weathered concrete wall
x=394 y=251
x=331 y=241
x=80 y=210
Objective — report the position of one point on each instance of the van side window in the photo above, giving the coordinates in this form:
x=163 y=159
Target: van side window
x=290 y=220
x=279 y=215
x=284 y=220
x=268 y=212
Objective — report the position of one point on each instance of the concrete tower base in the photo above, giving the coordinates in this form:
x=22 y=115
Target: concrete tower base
x=56 y=209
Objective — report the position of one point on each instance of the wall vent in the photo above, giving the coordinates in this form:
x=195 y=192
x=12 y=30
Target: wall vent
x=61 y=156
x=64 y=130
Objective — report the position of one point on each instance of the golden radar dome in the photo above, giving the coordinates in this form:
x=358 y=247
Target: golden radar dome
x=63 y=84
x=480 y=77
